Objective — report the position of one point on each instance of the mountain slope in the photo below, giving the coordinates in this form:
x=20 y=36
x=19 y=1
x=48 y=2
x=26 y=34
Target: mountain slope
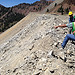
x=10 y=16
x=3 y=10
x=69 y=2
x=67 y=5
x=52 y=5
x=36 y=49
x=17 y=27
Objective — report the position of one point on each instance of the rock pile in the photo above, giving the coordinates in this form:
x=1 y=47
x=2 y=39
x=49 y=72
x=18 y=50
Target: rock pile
x=36 y=50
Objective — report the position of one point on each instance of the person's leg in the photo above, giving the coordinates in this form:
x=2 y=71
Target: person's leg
x=68 y=37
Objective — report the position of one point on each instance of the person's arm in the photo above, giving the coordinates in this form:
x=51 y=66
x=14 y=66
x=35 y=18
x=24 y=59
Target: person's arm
x=64 y=25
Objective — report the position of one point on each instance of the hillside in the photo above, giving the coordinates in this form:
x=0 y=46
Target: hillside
x=10 y=16
x=36 y=49
x=69 y=2
x=65 y=7
x=33 y=46
x=17 y=27
x=3 y=10
x=51 y=6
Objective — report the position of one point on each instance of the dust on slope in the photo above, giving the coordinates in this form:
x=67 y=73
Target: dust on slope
x=36 y=50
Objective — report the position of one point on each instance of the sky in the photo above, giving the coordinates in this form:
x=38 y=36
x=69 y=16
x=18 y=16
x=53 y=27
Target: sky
x=10 y=3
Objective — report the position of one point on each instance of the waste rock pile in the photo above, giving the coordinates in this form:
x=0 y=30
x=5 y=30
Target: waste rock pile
x=36 y=49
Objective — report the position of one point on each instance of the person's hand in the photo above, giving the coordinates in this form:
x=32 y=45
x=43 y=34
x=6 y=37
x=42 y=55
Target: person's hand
x=56 y=27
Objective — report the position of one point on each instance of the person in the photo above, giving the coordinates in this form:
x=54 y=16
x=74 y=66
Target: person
x=68 y=36
x=71 y=18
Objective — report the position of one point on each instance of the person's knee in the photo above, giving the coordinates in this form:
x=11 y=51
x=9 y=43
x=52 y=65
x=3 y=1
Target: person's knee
x=67 y=35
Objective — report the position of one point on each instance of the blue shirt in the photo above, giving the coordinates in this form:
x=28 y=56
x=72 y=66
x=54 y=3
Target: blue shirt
x=71 y=20
x=69 y=25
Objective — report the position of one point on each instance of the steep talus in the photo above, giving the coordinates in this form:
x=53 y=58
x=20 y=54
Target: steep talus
x=36 y=49
x=17 y=27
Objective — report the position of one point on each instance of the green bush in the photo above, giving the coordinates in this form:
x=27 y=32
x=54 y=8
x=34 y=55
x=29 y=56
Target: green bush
x=67 y=10
x=61 y=10
x=55 y=4
x=47 y=10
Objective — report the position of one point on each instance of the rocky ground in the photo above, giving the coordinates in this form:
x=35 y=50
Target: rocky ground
x=36 y=49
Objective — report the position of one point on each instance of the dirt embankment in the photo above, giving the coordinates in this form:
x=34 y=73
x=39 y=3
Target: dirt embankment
x=36 y=49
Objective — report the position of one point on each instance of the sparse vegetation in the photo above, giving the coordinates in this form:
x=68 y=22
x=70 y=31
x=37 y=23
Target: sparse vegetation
x=10 y=16
x=61 y=10
x=47 y=10
x=55 y=4
x=3 y=10
x=67 y=10
x=34 y=8
x=40 y=7
x=10 y=21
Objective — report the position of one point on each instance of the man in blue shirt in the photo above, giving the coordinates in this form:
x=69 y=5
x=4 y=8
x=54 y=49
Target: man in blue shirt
x=71 y=18
x=68 y=36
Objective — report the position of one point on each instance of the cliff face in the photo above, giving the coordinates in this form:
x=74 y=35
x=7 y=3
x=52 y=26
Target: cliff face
x=10 y=16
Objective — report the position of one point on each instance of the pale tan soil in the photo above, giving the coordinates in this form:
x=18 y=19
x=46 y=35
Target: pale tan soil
x=17 y=27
